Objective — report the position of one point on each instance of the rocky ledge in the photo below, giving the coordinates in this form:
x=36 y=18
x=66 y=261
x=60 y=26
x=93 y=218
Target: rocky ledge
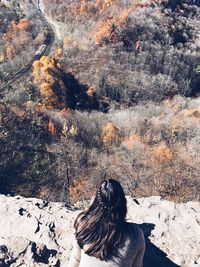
x=38 y=233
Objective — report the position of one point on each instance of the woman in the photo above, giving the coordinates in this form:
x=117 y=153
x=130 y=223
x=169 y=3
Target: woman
x=103 y=238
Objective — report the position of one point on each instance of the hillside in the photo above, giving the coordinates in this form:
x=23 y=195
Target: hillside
x=131 y=51
x=21 y=34
x=118 y=95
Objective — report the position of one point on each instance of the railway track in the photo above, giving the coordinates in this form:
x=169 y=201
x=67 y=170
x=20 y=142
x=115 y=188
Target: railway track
x=49 y=39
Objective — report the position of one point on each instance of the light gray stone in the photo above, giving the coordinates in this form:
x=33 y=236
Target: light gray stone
x=37 y=233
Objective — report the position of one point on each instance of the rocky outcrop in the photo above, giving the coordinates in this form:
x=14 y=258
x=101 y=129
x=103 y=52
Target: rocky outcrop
x=34 y=232
x=37 y=233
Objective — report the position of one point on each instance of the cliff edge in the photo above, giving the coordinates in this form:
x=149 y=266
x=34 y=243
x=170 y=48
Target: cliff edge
x=39 y=233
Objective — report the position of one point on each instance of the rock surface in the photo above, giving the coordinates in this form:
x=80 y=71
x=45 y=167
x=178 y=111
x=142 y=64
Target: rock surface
x=37 y=233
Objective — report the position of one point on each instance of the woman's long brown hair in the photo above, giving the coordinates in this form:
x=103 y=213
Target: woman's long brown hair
x=101 y=227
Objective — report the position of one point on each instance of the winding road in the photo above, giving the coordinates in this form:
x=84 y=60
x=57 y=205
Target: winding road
x=49 y=39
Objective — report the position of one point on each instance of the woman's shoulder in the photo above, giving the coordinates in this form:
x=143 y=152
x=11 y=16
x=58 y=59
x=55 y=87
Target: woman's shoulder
x=134 y=231
x=133 y=226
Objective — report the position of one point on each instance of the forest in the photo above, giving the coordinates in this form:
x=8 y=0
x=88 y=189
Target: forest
x=20 y=36
x=118 y=96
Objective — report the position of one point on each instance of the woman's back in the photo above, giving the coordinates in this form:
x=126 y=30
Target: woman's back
x=130 y=252
x=103 y=238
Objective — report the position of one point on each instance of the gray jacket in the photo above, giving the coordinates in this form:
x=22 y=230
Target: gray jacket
x=131 y=252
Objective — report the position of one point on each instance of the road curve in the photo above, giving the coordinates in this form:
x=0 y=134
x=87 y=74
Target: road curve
x=49 y=39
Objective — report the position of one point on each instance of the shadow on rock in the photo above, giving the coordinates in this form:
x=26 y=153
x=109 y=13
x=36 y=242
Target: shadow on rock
x=42 y=254
x=153 y=255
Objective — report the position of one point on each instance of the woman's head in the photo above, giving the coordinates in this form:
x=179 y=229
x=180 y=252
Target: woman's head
x=110 y=196
x=101 y=226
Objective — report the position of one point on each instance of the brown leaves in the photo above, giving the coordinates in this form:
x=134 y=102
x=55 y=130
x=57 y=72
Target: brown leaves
x=81 y=186
x=194 y=112
x=130 y=141
x=19 y=34
x=76 y=190
x=58 y=54
x=10 y=52
x=103 y=30
x=44 y=79
x=90 y=8
x=107 y=29
x=22 y=25
x=163 y=153
x=17 y=111
x=91 y=91
x=159 y=153
x=110 y=134
x=51 y=128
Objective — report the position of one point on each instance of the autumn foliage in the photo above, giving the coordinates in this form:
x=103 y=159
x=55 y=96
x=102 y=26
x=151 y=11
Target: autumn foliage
x=17 y=30
x=107 y=30
x=20 y=38
x=44 y=78
x=51 y=128
x=121 y=97
x=194 y=112
x=15 y=27
x=130 y=141
x=81 y=186
x=110 y=134
x=163 y=153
